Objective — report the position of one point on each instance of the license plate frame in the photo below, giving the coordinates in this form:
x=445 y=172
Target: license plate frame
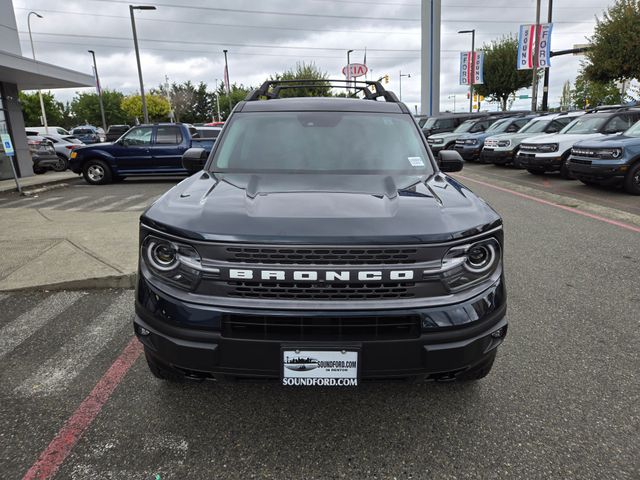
x=326 y=366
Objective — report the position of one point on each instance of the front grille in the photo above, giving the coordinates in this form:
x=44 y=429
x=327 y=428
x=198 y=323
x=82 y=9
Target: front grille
x=259 y=327
x=322 y=291
x=581 y=162
x=322 y=256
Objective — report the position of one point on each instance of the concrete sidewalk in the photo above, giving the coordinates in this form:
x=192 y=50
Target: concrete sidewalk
x=37 y=181
x=48 y=249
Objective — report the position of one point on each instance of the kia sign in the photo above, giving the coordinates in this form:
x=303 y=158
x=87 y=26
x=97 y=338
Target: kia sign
x=354 y=70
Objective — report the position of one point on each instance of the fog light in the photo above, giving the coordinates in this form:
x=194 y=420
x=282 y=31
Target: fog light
x=499 y=333
x=143 y=331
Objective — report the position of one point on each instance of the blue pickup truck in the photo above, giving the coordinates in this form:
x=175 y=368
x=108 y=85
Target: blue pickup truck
x=144 y=150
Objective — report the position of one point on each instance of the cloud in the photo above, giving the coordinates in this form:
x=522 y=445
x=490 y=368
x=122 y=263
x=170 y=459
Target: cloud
x=186 y=43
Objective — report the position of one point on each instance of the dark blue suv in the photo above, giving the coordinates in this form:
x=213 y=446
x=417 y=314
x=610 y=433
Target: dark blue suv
x=612 y=160
x=321 y=245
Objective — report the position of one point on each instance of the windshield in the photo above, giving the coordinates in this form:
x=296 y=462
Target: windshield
x=585 y=125
x=535 y=126
x=498 y=126
x=430 y=123
x=633 y=131
x=322 y=142
x=83 y=131
x=465 y=126
x=422 y=121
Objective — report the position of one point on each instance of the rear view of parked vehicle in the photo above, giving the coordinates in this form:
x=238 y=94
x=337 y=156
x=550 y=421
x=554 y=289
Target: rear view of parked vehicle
x=613 y=160
x=87 y=134
x=114 y=132
x=43 y=154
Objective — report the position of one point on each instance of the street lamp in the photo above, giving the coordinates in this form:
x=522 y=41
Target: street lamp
x=135 y=43
x=33 y=52
x=472 y=66
x=408 y=75
x=95 y=69
x=348 y=72
x=454 y=101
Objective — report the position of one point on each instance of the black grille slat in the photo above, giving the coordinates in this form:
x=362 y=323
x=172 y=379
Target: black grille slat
x=322 y=256
x=323 y=291
x=294 y=328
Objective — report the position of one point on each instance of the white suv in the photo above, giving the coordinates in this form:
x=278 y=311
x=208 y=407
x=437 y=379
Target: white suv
x=549 y=153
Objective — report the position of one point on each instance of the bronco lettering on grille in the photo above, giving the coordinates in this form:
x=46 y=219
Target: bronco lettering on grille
x=314 y=276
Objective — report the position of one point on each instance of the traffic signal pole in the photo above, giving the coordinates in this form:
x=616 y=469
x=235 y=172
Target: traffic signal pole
x=545 y=87
x=430 y=57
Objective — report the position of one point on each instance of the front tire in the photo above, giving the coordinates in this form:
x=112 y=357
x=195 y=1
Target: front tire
x=97 y=172
x=632 y=180
x=536 y=171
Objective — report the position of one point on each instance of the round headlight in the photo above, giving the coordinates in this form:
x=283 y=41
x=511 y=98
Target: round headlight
x=163 y=256
x=480 y=257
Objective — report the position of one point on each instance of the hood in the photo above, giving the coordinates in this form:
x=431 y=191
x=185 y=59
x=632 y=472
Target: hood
x=477 y=135
x=562 y=138
x=609 y=141
x=345 y=209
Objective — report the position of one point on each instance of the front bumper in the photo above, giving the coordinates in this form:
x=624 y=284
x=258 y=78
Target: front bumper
x=499 y=157
x=469 y=153
x=451 y=339
x=537 y=161
x=606 y=174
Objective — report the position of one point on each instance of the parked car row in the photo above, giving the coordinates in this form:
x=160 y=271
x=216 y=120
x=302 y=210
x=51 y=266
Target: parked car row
x=599 y=146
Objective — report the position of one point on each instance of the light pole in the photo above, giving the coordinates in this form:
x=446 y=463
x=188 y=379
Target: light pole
x=472 y=66
x=408 y=75
x=454 y=102
x=135 y=44
x=99 y=89
x=348 y=72
x=33 y=52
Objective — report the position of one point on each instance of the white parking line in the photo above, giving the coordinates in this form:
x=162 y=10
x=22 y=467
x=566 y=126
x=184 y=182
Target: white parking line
x=17 y=331
x=66 y=202
x=25 y=202
x=118 y=203
x=75 y=355
x=89 y=204
x=143 y=205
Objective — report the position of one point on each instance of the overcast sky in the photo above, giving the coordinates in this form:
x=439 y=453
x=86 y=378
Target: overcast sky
x=184 y=40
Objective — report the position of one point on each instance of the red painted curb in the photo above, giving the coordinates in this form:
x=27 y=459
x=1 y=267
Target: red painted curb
x=627 y=226
x=60 y=447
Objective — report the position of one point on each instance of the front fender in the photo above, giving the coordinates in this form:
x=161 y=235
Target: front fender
x=85 y=154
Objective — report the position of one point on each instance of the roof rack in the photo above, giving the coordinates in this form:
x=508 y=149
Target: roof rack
x=615 y=108
x=360 y=86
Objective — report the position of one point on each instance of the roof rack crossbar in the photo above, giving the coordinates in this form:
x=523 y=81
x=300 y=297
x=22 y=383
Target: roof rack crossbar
x=359 y=85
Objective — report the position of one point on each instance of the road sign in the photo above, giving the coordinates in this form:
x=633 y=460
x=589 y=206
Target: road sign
x=7 y=145
x=355 y=70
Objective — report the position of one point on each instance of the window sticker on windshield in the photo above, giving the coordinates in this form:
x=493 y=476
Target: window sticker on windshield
x=416 y=161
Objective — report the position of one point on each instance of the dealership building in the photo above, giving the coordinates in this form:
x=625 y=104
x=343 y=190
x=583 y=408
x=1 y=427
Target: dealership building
x=21 y=73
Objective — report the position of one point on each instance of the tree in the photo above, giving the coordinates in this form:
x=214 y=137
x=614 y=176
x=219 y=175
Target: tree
x=32 y=112
x=588 y=93
x=304 y=71
x=501 y=78
x=615 y=54
x=157 y=107
x=85 y=107
x=565 y=99
x=190 y=103
x=238 y=93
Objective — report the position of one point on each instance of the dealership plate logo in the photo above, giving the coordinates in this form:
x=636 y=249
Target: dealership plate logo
x=323 y=368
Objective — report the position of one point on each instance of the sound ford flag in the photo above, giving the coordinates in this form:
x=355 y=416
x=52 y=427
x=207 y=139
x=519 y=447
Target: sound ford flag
x=529 y=41
x=466 y=76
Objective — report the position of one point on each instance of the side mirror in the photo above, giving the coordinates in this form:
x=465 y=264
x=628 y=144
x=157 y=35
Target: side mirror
x=193 y=160
x=450 y=161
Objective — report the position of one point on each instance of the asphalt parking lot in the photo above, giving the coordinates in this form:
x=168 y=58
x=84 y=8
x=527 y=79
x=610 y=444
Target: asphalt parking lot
x=563 y=400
